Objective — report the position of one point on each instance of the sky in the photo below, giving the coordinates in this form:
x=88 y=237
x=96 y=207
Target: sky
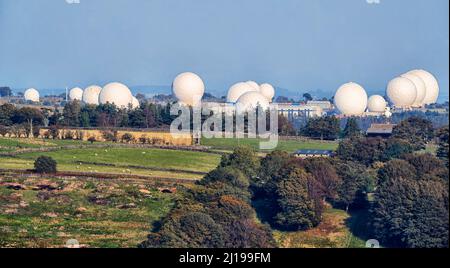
x=301 y=45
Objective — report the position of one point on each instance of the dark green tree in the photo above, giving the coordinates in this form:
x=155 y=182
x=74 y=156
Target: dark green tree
x=351 y=128
x=417 y=131
x=45 y=164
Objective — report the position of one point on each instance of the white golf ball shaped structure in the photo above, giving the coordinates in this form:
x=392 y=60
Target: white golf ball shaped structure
x=188 y=88
x=237 y=90
x=351 y=99
x=31 y=94
x=376 y=104
x=268 y=91
x=401 y=92
x=116 y=93
x=76 y=93
x=250 y=101
x=420 y=87
x=431 y=85
x=90 y=95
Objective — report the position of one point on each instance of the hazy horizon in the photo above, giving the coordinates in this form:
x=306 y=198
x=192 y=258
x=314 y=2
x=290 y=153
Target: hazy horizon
x=302 y=46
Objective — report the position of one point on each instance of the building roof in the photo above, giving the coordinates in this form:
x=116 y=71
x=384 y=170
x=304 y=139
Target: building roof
x=381 y=129
x=314 y=152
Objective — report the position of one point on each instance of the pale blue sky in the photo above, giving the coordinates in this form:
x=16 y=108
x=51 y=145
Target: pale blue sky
x=296 y=44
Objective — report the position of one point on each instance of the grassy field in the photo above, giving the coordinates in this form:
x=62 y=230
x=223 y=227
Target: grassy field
x=284 y=145
x=337 y=230
x=148 y=161
x=97 y=213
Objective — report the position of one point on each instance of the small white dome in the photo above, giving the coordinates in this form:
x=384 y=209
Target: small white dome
x=268 y=91
x=76 y=93
x=90 y=95
x=251 y=100
x=31 y=94
x=188 y=88
x=135 y=103
x=376 y=104
x=431 y=84
x=401 y=92
x=115 y=93
x=351 y=99
x=237 y=90
x=420 y=87
x=253 y=84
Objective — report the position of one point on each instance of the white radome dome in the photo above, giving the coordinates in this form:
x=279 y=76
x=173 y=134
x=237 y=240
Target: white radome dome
x=376 y=104
x=76 y=93
x=431 y=84
x=31 y=94
x=268 y=91
x=90 y=95
x=351 y=99
x=420 y=87
x=188 y=88
x=401 y=92
x=135 y=103
x=251 y=100
x=115 y=93
x=253 y=84
x=237 y=90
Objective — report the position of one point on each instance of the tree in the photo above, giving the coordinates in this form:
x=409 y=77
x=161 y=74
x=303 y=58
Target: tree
x=72 y=113
x=7 y=111
x=29 y=117
x=243 y=158
x=325 y=176
x=417 y=131
x=45 y=164
x=443 y=149
x=296 y=208
x=326 y=127
x=362 y=150
x=285 y=127
x=351 y=128
x=410 y=210
x=354 y=183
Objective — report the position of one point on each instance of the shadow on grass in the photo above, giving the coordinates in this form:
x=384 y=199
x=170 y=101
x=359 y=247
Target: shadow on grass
x=359 y=227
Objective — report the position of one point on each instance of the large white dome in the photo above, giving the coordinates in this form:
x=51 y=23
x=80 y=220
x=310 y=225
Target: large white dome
x=351 y=99
x=135 y=103
x=31 y=94
x=188 y=88
x=401 y=92
x=90 y=95
x=420 y=87
x=115 y=93
x=237 y=90
x=431 y=85
x=268 y=91
x=253 y=85
x=76 y=93
x=376 y=104
x=251 y=100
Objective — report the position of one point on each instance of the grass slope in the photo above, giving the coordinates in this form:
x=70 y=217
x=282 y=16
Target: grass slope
x=41 y=218
x=284 y=145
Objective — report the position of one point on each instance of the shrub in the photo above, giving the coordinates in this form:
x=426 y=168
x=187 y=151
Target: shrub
x=45 y=164
x=127 y=137
x=92 y=139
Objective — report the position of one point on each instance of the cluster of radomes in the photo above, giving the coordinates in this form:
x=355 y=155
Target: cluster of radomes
x=113 y=93
x=249 y=95
x=415 y=88
x=412 y=89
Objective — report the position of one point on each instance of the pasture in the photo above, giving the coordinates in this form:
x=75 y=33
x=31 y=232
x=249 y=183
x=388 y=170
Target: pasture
x=283 y=145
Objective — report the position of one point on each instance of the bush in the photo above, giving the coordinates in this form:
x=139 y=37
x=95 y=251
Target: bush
x=45 y=164
x=92 y=139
